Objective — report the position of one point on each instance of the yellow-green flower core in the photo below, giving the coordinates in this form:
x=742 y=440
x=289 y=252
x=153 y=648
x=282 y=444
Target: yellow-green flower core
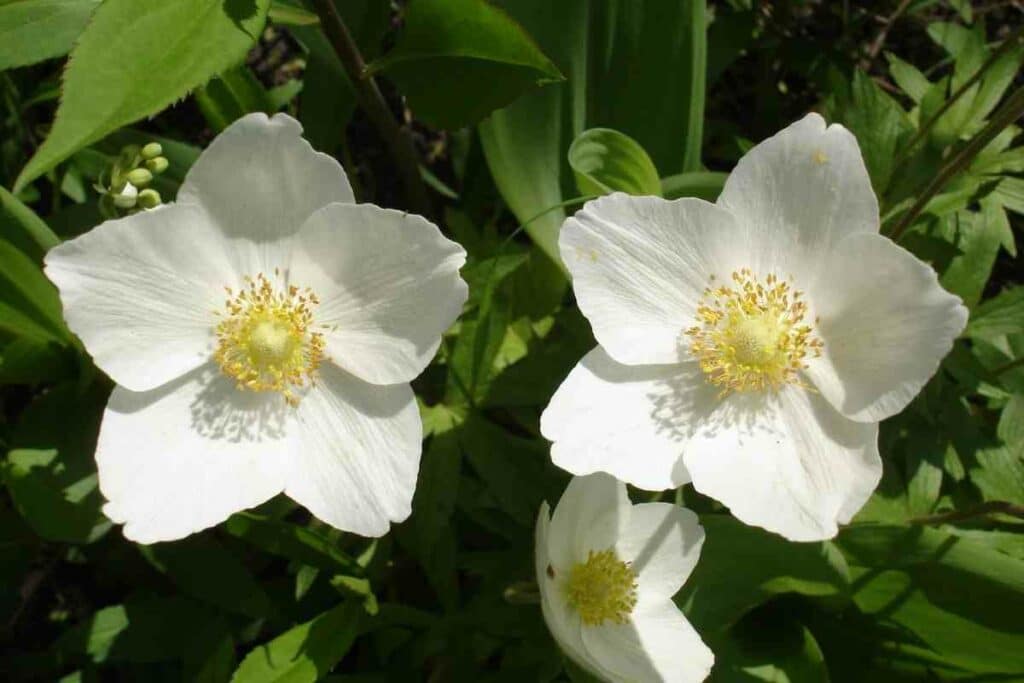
x=602 y=589
x=265 y=340
x=752 y=335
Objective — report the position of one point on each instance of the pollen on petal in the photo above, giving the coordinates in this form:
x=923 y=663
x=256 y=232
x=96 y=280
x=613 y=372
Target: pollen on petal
x=602 y=589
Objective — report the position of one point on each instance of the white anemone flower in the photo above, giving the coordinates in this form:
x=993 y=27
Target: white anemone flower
x=262 y=332
x=607 y=571
x=750 y=346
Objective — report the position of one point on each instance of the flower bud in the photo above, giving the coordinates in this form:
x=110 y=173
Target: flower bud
x=149 y=199
x=128 y=156
x=152 y=150
x=127 y=197
x=157 y=165
x=140 y=177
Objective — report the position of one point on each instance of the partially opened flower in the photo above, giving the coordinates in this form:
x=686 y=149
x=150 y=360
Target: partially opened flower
x=607 y=572
x=262 y=332
x=752 y=345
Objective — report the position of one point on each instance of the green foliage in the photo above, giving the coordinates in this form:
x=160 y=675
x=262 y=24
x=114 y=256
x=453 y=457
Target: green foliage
x=105 y=89
x=519 y=111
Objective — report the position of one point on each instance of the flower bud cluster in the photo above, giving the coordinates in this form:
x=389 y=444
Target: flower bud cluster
x=125 y=189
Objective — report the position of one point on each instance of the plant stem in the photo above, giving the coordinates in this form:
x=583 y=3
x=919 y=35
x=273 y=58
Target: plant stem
x=883 y=33
x=1011 y=110
x=396 y=137
x=990 y=507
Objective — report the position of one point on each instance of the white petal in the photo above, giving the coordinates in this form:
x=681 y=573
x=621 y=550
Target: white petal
x=141 y=292
x=886 y=324
x=357 y=452
x=659 y=644
x=662 y=542
x=388 y=284
x=186 y=456
x=799 y=192
x=789 y=463
x=589 y=516
x=629 y=421
x=639 y=267
x=259 y=180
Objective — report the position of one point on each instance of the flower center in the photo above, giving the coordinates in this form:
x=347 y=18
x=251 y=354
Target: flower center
x=602 y=589
x=752 y=335
x=265 y=340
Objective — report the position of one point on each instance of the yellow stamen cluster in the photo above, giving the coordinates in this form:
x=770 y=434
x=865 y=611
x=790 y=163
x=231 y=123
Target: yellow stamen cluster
x=752 y=334
x=602 y=589
x=265 y=340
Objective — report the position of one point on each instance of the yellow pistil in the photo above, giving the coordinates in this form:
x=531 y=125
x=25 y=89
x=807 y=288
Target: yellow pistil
x=266 y=341
x=602 y=589
x=752 y=335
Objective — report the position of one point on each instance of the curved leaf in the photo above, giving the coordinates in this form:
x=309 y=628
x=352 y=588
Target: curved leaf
x=605 y=160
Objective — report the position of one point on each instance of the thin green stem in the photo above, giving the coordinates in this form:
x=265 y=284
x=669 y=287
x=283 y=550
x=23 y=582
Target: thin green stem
x=1011 y=110
x=983 y=510
x=395 y=136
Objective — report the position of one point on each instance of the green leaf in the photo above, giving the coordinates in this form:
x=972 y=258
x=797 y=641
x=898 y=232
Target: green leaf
x=204 y=569
x=146 y=630
x=50 y=473
x=743 y=566
x=908 y=77
x=1002 y=314
x=703 y=184
x=770 y=648
x=25 y=290
x=20 y=226
x=606 y=160
x=459 y=60
x=232 y=95
x=289 y=15
x=307 y=546
x=34 y=30
x=979 y=238
x=106 y=88
x=210 y=655
x=305 y=653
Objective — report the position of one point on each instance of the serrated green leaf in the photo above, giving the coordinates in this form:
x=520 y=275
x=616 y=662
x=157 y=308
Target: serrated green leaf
x=459 y=60
x=305 y=653
x=605 y=160
x=107 y=88
x=908 y=77
x=34 y=30
x=1000 y=315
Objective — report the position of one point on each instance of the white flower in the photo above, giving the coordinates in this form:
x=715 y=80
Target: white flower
x=607 y=571
x=262 y=331
x=753 y=345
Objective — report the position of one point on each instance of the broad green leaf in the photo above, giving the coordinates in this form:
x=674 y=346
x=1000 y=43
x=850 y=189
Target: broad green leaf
x=742 y=566
x=646 y=76
x=979 y=237
x=459 y=60
x=606 y=160
x=1010 y=193
x=307 y=546
x=106 y=88
x=204 y=569
x=703 y=184
x=305 y=653
x=50 y=472
x=25 y=290
x=210 y=655
x=34 y=30
x=20 y=226
x=1000 y=315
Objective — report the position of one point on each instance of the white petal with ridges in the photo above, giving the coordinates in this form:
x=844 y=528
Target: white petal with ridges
x=886 y=324
x=141 y=292
x=788 y=463
x=629 y=421
x=589 y=516
x=388 y=284
x=798 y=193
x=186 y=456
x=662 y=543
x=357 y=452
x=658 y=644
x=639 y=266
x=259 y=181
